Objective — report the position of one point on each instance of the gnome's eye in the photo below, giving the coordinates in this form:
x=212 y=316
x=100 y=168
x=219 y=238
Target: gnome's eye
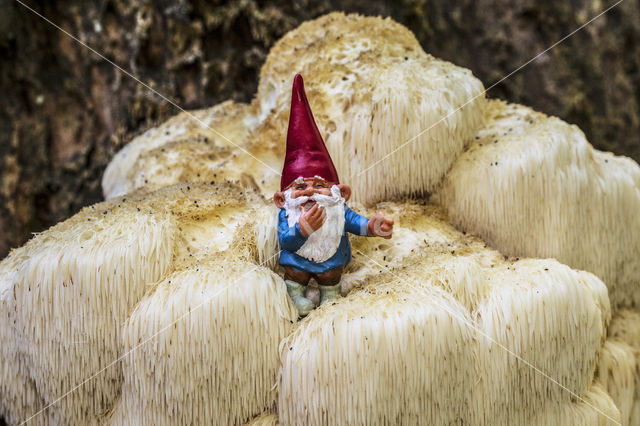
x=320 y=185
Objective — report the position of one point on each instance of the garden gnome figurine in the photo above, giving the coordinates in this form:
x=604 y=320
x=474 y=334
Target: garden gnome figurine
x=314 y=220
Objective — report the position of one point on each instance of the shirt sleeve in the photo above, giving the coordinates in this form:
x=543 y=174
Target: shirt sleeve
x=355 y=223
x=290 y=237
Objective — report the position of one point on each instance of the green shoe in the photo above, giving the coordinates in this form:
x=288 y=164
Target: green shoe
x=296 y=293
x=328 y=292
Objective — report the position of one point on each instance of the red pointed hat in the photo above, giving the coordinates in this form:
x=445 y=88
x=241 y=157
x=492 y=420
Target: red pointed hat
x=307 y=155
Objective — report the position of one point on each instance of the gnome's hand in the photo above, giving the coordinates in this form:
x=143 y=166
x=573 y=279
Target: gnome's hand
x=311 y=220
x=379 y=226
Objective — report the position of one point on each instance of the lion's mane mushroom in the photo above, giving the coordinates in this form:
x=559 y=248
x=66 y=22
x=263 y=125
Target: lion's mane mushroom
x=531 y=185
x=438 y=315
x=216 y=364
x=183 y=149
x=183 y=278
x=373 y=91
x=68 y=297
x=620 y=363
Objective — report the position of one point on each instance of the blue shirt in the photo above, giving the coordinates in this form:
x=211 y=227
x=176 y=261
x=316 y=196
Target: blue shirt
x=291 y=239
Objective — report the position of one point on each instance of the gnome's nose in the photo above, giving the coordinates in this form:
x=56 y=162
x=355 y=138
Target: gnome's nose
x=307 y=192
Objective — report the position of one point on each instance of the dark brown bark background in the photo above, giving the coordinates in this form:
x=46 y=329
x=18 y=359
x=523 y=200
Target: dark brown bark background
x=65 y=112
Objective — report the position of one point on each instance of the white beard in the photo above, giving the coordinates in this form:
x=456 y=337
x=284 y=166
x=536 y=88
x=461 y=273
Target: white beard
x=324 y=241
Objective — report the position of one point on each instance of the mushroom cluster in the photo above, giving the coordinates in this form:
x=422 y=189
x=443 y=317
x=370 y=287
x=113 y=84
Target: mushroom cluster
x=508 y=295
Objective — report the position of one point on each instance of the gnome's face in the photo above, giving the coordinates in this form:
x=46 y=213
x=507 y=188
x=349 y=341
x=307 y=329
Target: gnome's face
x=309 y=187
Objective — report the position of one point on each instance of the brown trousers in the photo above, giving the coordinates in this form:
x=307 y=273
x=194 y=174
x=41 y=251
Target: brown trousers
x=331 y=277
